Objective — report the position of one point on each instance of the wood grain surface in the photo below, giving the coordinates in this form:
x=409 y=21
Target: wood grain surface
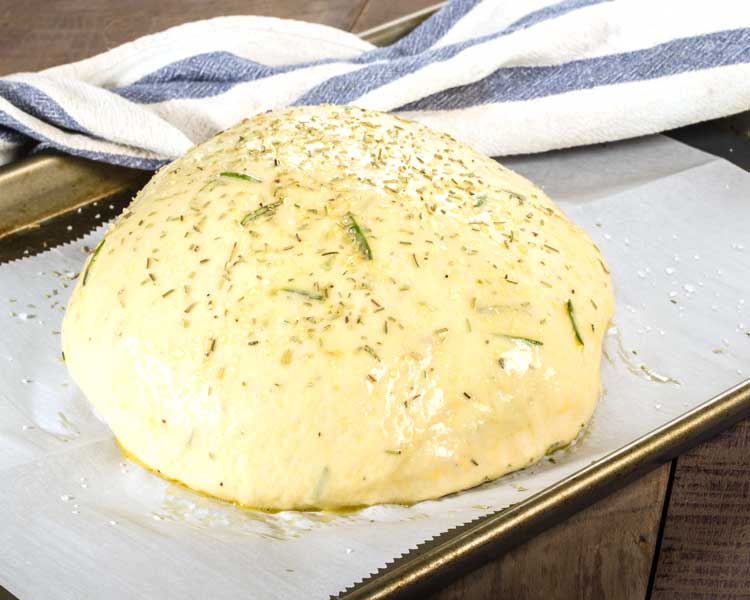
x=35 y=34
x=705 y=548
x=603 y=552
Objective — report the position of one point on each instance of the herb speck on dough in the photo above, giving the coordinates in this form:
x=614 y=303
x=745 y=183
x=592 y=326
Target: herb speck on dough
x=480 y=200
x=520 y=339
x=571 y=315
x=371 y=352
x=91 y=262
x=305 y=293
x=355 y=231
x=243 y=176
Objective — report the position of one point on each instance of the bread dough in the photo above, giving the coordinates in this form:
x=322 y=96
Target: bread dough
x=328 y=306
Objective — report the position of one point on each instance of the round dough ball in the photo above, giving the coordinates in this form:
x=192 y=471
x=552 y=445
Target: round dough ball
x=328 y=307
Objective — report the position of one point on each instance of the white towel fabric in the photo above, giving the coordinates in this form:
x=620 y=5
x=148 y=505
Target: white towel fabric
x=506 y=77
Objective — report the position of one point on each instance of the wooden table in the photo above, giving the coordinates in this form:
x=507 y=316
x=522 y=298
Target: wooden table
x=682 y=531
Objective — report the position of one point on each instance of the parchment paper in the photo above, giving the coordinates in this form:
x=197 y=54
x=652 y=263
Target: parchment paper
x=78 y=521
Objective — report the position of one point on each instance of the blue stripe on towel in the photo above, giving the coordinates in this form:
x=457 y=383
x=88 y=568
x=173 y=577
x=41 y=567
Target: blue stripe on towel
x=427 y=34
x=134 y=162
x=202 y=76
x=347 y=88
x=515 y=84
x=37 y=104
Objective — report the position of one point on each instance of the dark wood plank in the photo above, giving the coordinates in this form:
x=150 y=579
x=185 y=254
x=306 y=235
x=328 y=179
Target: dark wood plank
x=35 y=34
x=705 y=551
x=375 y=12
x=605 y=551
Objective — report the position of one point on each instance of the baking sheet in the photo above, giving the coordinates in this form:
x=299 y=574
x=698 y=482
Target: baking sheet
x=79 y=521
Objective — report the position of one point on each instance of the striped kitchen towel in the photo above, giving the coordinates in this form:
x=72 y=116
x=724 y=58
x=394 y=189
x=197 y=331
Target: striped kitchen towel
x=505 y=76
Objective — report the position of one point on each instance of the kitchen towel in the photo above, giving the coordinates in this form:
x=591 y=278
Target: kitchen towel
x=504 y=76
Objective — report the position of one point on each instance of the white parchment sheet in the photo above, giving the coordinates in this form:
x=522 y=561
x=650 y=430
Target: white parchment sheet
x=79 y=521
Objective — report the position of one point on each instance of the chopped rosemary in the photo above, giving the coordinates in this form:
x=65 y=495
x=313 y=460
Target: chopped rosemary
x=516 y=195
x=259 y=212
x=577 y=333
x=242 y=176
x=480 y=200
x=371 y=352
x=355 y=231
x=520 y=338
x=394 y=452
x=305 y=293
x=91 y=262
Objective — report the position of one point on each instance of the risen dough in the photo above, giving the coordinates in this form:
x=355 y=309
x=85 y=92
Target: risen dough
x=327 y=307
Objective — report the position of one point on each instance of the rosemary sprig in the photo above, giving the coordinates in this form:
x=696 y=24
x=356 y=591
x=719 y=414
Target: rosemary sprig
x=259 y=212
x=91 y=262
x=305 y=293
x=355 y=231
x=571 y=314
x=520 y=338
x=243 y=176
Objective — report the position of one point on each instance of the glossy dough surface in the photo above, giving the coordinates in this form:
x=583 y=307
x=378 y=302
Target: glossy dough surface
x=328 y=307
